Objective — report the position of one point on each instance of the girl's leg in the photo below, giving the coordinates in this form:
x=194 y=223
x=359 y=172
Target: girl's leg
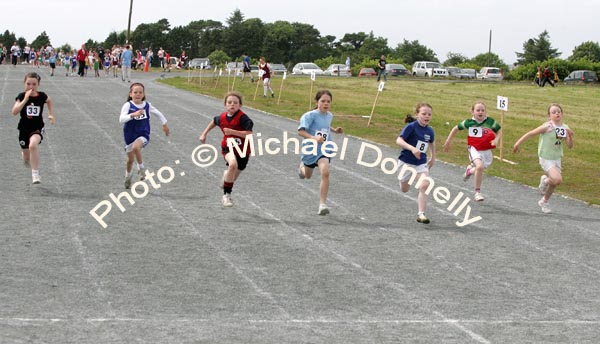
x=130 y=159
x=232 y=169
x=34 y=153
x=323 y=164
x=404 y=186
x=478 y=163
x=306 y=171
x=25 y=155
x=554 y=179
x=422 y=198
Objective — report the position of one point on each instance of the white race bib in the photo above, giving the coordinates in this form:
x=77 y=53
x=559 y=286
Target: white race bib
x=33 y=110
x=561 y=132
x=143 y=116
x=475 y=131
x=422 y=146
x=323 y=132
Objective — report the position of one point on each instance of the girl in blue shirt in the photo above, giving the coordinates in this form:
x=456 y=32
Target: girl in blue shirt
x=316 y=125
x=415 y=139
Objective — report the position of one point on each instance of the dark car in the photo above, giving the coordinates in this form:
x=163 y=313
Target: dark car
x=581 y=76
x=396 y=69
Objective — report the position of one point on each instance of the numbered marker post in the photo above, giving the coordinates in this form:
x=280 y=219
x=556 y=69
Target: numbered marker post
x=379 y=89
x=218 y=76
x=235 y=74
x=260 y=75
x=502 y=105
x=281 y=86
x=313 y=76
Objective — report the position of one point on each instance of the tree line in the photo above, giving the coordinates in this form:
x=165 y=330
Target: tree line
x=289 y=43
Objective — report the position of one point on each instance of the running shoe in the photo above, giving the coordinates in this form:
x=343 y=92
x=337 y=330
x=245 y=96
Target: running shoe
x=421 y=218
x=479 y=197
x=544 y=205
x=323 y=209
x=226 y=201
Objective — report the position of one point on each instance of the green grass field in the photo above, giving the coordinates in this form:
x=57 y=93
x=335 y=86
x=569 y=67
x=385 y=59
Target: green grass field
x=451 y=101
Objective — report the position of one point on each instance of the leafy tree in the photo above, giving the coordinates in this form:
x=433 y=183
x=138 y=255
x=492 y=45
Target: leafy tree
x=234 y=42
x=65 y=48
x=7 y=39
x=537 y=49
x=277 y=41
x=306 y=43
x=356 y=40
x=455 y=59
x=588 y=50
x=410 y=52
x=115 y=38
x=218 y=58
x=150 y=35
x=373 y=47
x=40 y=41
x=489 y=60
x=205 y=36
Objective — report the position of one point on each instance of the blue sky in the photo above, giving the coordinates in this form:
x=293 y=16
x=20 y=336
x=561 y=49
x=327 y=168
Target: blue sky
x=458 y=26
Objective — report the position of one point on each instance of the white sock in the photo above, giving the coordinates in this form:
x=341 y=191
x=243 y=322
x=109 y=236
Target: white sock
x=140 y=166
x=35 y=172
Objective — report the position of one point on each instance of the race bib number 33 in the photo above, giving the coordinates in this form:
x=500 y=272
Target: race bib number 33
x=33 y=110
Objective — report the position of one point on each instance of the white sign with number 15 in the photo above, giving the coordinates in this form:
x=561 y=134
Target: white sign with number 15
x=502 y=103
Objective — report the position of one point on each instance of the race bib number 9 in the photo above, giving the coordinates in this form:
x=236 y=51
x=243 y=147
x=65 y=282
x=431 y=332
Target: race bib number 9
x=561 y=132
x=33 y=110
x=475 y=132
x=422 y=146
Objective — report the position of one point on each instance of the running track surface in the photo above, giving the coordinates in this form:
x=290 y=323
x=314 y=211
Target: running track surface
x=177 y=267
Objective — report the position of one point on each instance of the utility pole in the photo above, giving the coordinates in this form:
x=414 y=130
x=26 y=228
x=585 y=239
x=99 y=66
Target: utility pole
x=489 y=48
x=129 y=21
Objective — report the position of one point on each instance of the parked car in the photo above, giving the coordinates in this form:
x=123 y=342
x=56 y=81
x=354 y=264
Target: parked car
x=200 y=62
x=306 y=68
x=581 y=76
x=367 y=72
x=337 y=69
x=277 y=68
x=468 y=73
x=461 y=73
x=430 y=69
x=489 y=73
x=396 y=69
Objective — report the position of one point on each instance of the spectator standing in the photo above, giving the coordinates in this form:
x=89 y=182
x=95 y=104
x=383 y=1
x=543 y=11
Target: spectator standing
x=246 y=67
x=126 y=58
x=547 y=77
x=14 y=53
x=82 y=56
x=381 y=68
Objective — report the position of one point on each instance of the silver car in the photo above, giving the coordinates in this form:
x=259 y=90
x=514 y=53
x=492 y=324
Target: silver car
x=337 y=69
x=306 y=68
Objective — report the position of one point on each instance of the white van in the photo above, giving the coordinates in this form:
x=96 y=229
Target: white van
x=430 y=69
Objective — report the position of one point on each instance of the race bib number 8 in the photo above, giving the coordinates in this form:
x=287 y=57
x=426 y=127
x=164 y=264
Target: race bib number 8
x=561 y=132
x=33 y=110
x=475 y=132
x=422 y=146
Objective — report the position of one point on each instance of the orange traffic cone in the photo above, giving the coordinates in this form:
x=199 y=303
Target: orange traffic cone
x=146 y=66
